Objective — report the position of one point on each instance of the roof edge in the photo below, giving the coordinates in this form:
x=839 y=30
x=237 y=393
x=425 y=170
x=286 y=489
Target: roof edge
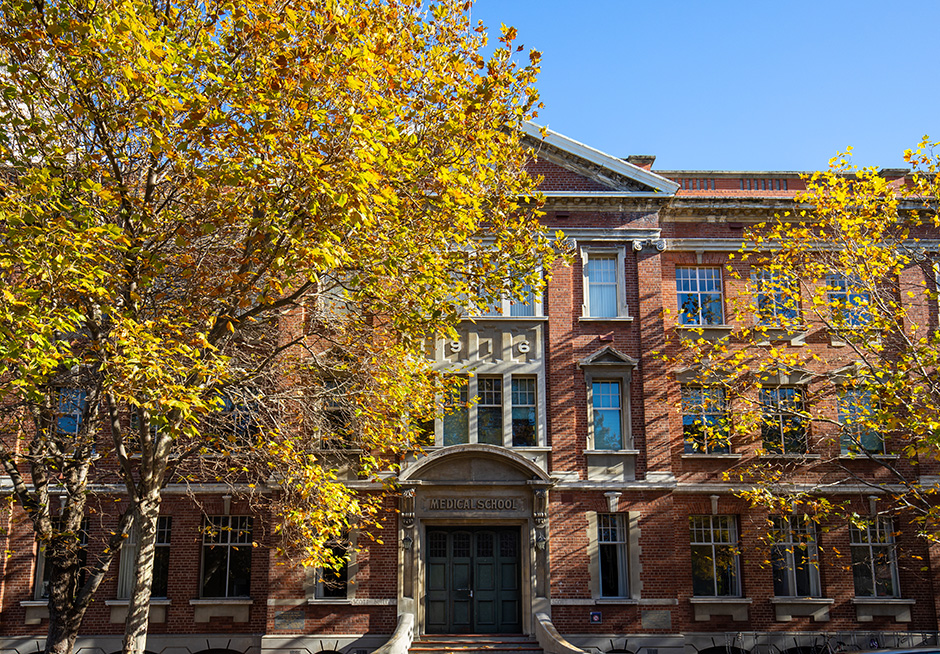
x=619 y=166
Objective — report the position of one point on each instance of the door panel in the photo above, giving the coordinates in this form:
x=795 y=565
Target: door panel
x=473 y=583
x=461 y=565
x=437 y=588
x=508 y=581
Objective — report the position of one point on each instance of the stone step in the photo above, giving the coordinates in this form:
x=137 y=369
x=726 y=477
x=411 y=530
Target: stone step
x=492 y=648
x=475 y=644
x=476 y=638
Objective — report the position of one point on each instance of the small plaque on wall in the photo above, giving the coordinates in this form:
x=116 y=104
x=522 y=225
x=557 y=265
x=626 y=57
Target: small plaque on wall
x=293 y=619
x=596 y=617
x=656 y=620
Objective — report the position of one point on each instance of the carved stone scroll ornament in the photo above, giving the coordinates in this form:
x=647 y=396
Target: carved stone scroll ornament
x=408 y=507
x=658 y=243
x=540 y=508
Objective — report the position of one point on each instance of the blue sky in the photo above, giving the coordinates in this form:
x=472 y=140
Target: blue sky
x=735 y=85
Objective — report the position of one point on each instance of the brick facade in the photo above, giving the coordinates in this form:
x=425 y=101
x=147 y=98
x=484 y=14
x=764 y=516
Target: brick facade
x=653 y=481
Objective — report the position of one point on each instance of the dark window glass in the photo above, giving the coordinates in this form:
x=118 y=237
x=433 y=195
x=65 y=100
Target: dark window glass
x=523 y=412
x=226 y=557
x=490 y=410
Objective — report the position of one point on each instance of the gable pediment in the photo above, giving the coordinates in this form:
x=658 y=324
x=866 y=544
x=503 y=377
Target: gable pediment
x=608 y=356
x=596 y=171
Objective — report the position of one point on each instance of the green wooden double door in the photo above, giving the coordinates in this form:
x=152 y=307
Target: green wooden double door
x=473 y=580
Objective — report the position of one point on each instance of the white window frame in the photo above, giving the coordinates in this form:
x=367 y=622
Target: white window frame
x=332 y=302
x=337 y=412
x=702 y=413
x=601 y=367
x=838 y=284
x=472 y=391
x=226 y=530
x=878 y=533
x=849 y=410
x=71 y=404
x=323 y=587
x=534 y=407
x=488 y=397
x=621 y=409
x=127 y=565
x=503 y=307
x=587 y=252
x=775 y=411
x=314 y=587
x=713 y=526
x=776 y=281
x=629 y=581
x=794 y=538
x=700 y=322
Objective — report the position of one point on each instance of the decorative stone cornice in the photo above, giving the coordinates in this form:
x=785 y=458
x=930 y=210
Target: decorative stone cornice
x=603 y=201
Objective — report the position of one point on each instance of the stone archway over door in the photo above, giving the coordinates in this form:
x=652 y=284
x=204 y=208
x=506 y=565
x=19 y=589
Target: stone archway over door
x=474 y=520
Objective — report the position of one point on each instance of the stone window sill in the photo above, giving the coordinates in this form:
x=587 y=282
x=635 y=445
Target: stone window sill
x=611 y=465
x=789 y=455
x=353 y=601
x=707 y=455
x=239 y=609
x=707 y=607
x=476 y=319
x=708 y=332
x=815 y=607
x=767 y=334
x=868 y=608
x=859 y=456
x=836 y=341
x=36 y=611
x=607 y=319
x=119 y=610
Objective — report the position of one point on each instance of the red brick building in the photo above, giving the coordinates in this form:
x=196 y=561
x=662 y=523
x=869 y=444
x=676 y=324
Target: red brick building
x=566 y=496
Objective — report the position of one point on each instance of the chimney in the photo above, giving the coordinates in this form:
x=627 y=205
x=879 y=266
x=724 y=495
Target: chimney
x=644 y=161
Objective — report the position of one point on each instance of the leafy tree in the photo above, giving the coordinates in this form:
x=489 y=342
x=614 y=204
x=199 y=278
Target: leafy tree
x=218 y=219
x=834 y=349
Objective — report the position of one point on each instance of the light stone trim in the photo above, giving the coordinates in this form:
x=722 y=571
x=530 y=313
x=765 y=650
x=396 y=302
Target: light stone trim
x=612 y=236
x=506 y=348
x=312 y=577
x=401 y=639
x=611 y=465
x=549 y=639
x=706 y=607
x=636 y=485
x=815 y=607
x=602 y=167
x=619 y=251
x=609 y=364
x=868 y=608
x=634 y=567
x=838 y=489
x=119 y=609
x=237 y=609
x=36 y=611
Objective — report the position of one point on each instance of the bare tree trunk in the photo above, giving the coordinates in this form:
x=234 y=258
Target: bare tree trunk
x=152 y=473
x=138 y=612
x=62 y=633
x=64 y=620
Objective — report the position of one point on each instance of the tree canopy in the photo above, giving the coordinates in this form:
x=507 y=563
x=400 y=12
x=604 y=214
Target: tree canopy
x=830 y=368
x=221 y=222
